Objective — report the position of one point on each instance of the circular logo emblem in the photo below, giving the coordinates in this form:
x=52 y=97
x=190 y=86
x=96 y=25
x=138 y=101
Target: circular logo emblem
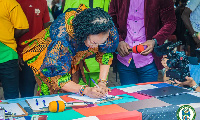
x=186 y=112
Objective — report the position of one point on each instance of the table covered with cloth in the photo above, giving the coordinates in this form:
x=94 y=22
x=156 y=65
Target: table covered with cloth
x=143 y=101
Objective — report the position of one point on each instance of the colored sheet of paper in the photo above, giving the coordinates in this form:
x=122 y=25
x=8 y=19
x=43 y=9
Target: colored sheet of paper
x=68 y=99
x=137 y=88
x=65 y=115
x=149 y=83
x=100 y=110
x=165 y=91
x=139 y=96
x=88 y=118
x=89 y=105
x=125 y=98
x=181 y=99
x=116 y=92
x=160 y=113
x=130 y=115
x=147 y=103
x=123 y=86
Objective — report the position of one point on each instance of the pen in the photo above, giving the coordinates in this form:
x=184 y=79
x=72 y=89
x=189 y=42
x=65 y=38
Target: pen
x=88 y=102
x=44 y=108
x=36 y=102
x=8 y=113
x=79 y=103
x=43 y=102
x=94 y=82
x=97 y=85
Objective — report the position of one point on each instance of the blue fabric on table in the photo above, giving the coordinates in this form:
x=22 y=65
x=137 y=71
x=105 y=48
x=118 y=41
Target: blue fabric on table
x=160 y=113
x=180 y=99
x=163 y=92
x=125 y=98
x=161 y=85
x=142 y=104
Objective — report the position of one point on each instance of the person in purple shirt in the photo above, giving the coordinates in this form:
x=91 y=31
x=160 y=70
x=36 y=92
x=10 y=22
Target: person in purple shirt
x=146 y=22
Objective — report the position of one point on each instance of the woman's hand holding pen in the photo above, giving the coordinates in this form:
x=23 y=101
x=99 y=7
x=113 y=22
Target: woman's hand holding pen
x=94 y=92
x=104 y=87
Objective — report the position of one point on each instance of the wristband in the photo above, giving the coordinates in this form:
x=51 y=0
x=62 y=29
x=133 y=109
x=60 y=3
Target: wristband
x=103 y=80
x=82 y=90
x=156 y=43
x=194 y=87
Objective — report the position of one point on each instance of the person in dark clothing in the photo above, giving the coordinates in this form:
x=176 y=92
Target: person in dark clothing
x=57 y=8
x=180 y=31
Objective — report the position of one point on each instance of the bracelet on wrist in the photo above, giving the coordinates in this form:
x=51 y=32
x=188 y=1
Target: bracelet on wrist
x=103 y=81
x=82 y=90
x=195 y=87
x=156 y=43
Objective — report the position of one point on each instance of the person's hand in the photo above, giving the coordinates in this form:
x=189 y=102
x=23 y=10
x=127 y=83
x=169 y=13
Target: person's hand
x=101 y=84
x=150 y=45
x=104 y=87
x=164 y=62
x=123 y=48
x=94 y=92
x=168 y=81
x=190 y=82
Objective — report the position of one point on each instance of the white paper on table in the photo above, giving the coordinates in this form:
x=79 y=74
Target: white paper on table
x=88 y=99
x=137 y=88
x=34 y=107
x=88 y=118
x=13 y=108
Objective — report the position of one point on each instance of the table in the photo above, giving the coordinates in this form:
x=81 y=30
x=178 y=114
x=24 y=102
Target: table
x=144 y=101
